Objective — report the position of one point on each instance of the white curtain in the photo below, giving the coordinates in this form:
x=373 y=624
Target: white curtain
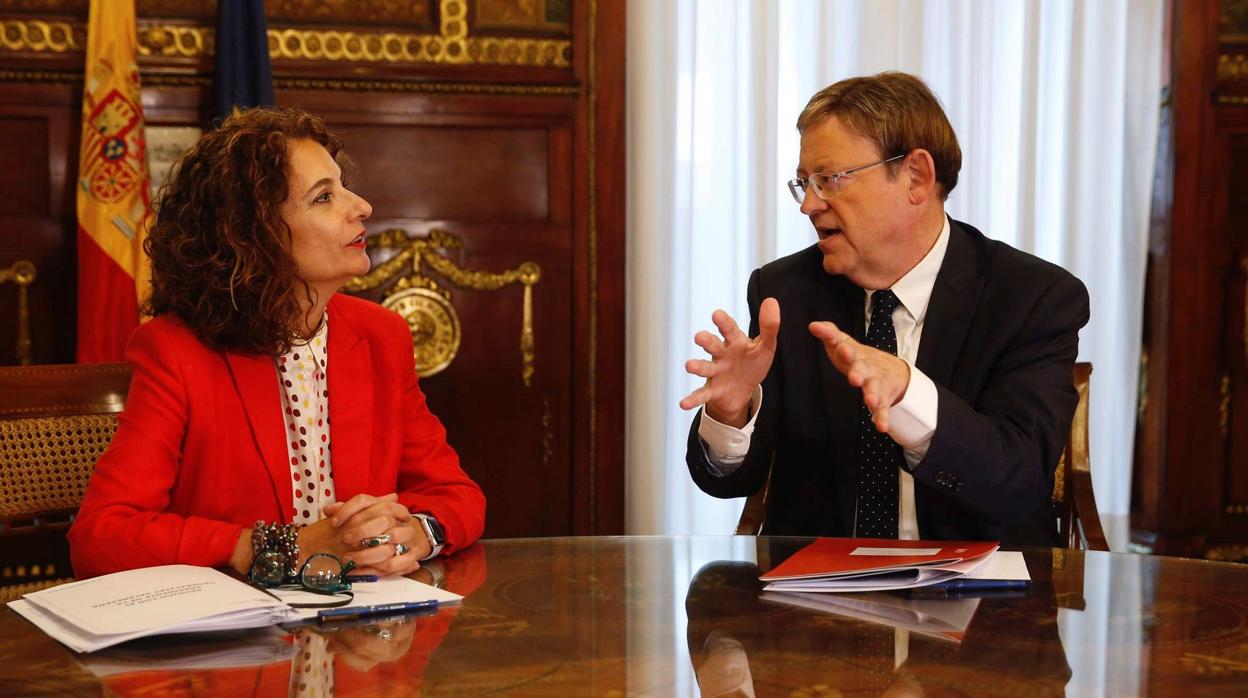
x=1056 y=107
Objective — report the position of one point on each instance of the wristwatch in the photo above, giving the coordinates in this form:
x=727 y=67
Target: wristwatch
x=433 y=531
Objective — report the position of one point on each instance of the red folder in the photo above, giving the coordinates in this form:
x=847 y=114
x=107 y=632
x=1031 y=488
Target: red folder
x=873 y=564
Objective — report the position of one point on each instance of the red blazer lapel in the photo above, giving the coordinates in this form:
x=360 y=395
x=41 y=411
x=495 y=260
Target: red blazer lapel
x=350 y=407
x=255 y=379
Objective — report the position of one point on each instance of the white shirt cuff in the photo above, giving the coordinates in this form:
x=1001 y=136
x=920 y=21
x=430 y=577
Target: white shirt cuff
x=726 y=446
x=912 y=422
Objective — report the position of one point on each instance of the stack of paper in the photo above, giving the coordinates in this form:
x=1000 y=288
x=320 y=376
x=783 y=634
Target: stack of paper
x=96 y=613
x=855 y=564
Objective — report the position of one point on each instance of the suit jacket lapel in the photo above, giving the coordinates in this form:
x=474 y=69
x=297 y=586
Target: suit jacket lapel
x=256 y=381
x=350 y=406
x=951 y=309
x=842 y=302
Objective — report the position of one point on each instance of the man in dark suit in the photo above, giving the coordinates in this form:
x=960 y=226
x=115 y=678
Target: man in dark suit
x=920 y=385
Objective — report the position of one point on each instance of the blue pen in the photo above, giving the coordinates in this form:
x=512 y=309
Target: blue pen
x=982 y=585
x=352 y=612
x=352 y=578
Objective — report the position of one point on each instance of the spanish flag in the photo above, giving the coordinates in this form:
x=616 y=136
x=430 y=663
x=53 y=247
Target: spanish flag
x=113 y=201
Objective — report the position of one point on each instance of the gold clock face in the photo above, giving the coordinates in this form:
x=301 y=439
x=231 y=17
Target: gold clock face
x=434 y=326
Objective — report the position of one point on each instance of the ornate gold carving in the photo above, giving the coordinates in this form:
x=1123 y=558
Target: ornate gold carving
x=53 y=77
x=416 y=250
x=435 y=87
x=451 y=45
x=522 y=15
x=1224 y=405
x=174 y=40
x=23 y=274
x=1237 y=508
x=42 y=36
x=1232 y=67
x=434 y=326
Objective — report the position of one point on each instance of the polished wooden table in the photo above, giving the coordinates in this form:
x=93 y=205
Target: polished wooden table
x=666 y=616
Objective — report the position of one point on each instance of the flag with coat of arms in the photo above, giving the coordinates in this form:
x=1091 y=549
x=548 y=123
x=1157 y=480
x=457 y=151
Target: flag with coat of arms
x=113 y=199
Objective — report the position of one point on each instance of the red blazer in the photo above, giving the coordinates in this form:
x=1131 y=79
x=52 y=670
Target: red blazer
x=200 y=451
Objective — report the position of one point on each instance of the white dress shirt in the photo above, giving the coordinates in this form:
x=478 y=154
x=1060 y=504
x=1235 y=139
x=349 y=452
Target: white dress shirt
x=912 y=421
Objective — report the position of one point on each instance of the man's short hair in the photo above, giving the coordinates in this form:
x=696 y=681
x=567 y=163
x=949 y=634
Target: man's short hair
x=897 y=112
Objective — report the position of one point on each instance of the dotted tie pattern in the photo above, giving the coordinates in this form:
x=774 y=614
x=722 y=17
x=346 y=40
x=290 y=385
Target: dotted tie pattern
x=878 y=455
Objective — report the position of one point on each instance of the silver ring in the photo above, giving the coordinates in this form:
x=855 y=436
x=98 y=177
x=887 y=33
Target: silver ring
x=399 y=549
x=376 y=541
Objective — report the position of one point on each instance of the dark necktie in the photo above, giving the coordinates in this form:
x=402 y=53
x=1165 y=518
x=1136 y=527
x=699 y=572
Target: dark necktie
x=878 y=455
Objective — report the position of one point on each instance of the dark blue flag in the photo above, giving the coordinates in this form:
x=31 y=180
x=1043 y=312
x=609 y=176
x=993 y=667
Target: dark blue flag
x=244 y=75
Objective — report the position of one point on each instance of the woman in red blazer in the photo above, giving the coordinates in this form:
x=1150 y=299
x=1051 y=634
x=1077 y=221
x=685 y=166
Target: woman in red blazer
x=260 y=397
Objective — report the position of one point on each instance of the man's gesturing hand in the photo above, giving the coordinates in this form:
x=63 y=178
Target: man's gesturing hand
x=882 y=376
x=738 y=365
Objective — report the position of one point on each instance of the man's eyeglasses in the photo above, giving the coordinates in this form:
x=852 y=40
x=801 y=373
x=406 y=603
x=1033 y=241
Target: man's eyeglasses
x=828 y=184
x=321 y=573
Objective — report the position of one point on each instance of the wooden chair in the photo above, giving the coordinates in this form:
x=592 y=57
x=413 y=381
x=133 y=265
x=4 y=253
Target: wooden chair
x=55 y=421
x=1073 y=502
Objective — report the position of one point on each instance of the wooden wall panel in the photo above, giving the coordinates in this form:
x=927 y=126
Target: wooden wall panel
x=502 y=136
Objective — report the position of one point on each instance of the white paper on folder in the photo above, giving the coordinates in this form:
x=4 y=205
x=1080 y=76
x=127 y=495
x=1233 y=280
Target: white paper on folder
x=386 y=591
x=95 y=613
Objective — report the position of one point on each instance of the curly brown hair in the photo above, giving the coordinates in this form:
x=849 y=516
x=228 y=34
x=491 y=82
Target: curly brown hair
x=219 y=246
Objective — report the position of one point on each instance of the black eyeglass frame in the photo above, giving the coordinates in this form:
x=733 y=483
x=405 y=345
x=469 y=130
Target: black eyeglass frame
x=273 y=562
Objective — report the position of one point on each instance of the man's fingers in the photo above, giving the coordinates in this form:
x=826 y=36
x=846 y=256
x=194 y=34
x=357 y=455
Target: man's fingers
x=769 y=323
x=698 y=367
x=880 y=417
x=697 y=398
x=709 y=343
x=725 y=324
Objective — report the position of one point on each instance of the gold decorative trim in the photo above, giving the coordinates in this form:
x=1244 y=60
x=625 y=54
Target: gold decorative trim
x=434 y=326
x=23 y=274
x=476 y=88
x=1237 y=508
x=1141 y=396
x=175 y=40
x=452 y=45
x=413 y=251
x=49 y=77
x=1233 y=67
x=151 y=79
x=40 y=36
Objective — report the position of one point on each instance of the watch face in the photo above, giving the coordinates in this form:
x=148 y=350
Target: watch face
x=435 y=529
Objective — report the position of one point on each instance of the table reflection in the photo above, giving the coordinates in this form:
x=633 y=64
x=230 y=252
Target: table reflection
x=742 y=643
x=675 y=616
x=365 y=656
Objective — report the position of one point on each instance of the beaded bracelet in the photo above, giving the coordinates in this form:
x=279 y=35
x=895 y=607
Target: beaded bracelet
x=282 y=538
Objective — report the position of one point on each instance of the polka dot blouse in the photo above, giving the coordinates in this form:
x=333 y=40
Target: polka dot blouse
x=305 y=400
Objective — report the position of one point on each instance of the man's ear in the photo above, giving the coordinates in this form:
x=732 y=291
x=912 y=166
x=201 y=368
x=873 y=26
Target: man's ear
x=921 y=168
